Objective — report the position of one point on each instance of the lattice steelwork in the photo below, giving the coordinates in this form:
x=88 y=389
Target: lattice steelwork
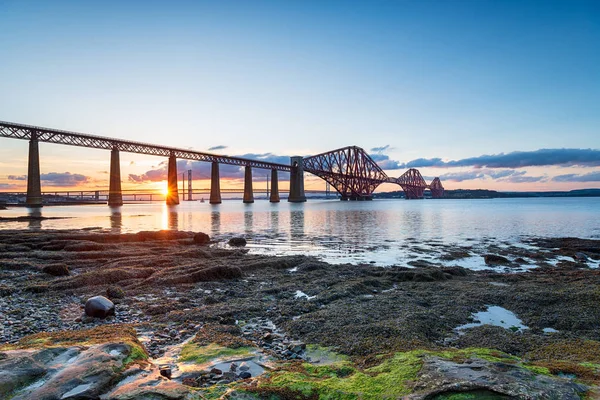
x=412 y=183
x=355 y=175
x=349 y=170
x=437 y=190
x=27 y=132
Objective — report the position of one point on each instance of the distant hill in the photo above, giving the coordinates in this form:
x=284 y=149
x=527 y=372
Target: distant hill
x=493 y=194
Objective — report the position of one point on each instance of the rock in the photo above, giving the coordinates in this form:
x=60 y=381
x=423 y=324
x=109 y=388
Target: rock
x=165 y=370
x=493 y=259
x=229 y=376
x=150 y=385
x=56 y=269
x=216 y=371
x=237 y=241
x=244 y=367
x=115 y=292
x=62 y=372
x=268 y=337
x=477 y=376
x=201 y=238
x=245 y=375
x=99 y=307
x=580 y=257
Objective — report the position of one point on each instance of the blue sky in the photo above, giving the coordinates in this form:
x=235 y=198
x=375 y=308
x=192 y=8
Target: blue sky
x=449 y=80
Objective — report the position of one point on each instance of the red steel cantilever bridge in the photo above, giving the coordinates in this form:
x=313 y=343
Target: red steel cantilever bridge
x=349 y=170
x=354 y=174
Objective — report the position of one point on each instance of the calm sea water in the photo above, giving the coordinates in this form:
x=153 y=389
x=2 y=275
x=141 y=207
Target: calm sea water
x=379 y=231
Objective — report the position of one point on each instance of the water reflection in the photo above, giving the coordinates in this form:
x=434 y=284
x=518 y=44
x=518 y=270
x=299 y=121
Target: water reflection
x=173 y=218
x=297 y=224
x=337 y=231
x=116 y=219
x=215 y=223
x=248 y=222
x=274 y=218
x=35 y=218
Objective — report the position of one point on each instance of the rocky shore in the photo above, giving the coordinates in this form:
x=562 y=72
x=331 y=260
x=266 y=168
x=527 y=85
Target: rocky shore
x=198 y=319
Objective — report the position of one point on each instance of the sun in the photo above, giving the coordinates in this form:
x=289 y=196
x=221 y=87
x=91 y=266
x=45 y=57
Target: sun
x=164 y=190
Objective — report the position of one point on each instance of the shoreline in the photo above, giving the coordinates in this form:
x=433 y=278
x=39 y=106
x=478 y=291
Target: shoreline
x=175 y=289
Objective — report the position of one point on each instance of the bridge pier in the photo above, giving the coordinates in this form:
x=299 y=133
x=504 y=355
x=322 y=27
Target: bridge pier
x=274 y=198
x=297 y=181
x=115 y=195
x=248 y=194
x=34 y=183
x=173 y=192
x=215 y=184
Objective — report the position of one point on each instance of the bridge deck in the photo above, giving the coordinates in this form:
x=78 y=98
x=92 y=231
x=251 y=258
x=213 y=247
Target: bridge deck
x=28 y=132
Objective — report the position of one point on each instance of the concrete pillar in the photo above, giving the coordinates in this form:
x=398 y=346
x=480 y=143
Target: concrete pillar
x=115 y=195
x=274 y=187
x=34 y=184
x=297 y=181
x=215 y=184
x=173 y=192
x=248 y=193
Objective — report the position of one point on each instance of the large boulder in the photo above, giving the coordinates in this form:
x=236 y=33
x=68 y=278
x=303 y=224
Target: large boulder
x=56 y=269
x=69 y=364
x=494 y=259
x=237 y=242
x=201 y=238
x=442 y=378
x=99 y=307
x=115 y=292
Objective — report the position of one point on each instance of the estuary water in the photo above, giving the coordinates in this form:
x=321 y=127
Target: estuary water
x=379 y=232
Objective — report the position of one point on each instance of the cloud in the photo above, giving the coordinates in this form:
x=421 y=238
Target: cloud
x=589 y=177
x=381 y=149
x=424 y=162
x=9 y=186
x=519 y=159
x=202 y=170
x=384 y=161
x=219 y=147
x=524 y=179
x=17 y=177
x=64 y=179
x=506 y=175
x=462 y=176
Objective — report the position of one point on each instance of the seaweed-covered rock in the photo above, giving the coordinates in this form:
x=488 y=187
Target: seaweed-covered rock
x=201 y=238
x=237 y=242
x=68 y=364
x=494 y=259
x=99 y=307
x=504 y=380
x=115 y=292
x=56 y=269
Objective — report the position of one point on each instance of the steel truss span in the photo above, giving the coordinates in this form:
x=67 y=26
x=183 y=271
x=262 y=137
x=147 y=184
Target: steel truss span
x=27 y=132
x=354 y=174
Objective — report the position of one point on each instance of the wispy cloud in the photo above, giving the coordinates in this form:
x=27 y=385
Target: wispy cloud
x=518 y=159
x=462 y=176
x=17 y=177
x=505 y=175
x=589 y=177
x=385 y=162
x=381 y=149
x=219 y=147
x=202 y=170
x=64 y=179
